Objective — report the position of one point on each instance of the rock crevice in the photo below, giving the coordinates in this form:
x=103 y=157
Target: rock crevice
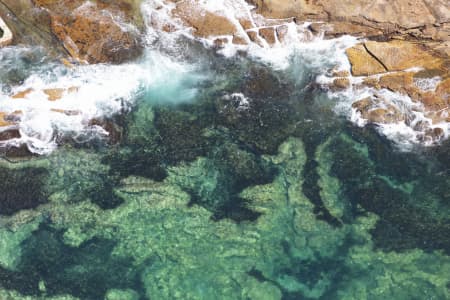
x=6 y=36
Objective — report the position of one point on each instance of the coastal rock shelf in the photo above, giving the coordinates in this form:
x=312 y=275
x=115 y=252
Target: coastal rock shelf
x=400 y=70
x=90 y=32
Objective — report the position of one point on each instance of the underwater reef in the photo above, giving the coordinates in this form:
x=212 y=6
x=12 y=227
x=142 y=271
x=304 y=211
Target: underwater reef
x=320 y=217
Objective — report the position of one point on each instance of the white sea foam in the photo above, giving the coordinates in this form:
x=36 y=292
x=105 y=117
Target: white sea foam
x=243 y=103
x=101 y=91
x=405 y=134
x=300 y=51
x=427 y=84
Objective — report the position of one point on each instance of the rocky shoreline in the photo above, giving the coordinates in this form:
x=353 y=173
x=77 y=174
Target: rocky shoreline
x=405 y=46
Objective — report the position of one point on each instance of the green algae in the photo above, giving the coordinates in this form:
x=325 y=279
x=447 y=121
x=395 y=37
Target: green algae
x=408 y=212
x=10 y=243
x=21 y=187
x=330 y=186
x=116 y=294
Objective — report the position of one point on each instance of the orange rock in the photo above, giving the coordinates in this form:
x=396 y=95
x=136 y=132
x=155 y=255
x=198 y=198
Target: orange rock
x=283 y=9
x=362 y=104
x=432 y=101
x=379 y=57
x=254 y=37
x=67 y=63
x=282 y=32
x=341 y=83
x=246 y=24
x=372 y=82
x=342 y=73
x=399 y=82
x=402 y=55
x=238 y=40
x=8 y=119
x=378 y=110
x=58 y=93
x=439 y=116
x=443 y=90
x=339 y=28
x=220 y=42
x=89 y=34
x=204 y=22
x=54 y=94
x=168 y=27
x=363 y=64
x=3 y=122
x=22 y=94
x=268 y=33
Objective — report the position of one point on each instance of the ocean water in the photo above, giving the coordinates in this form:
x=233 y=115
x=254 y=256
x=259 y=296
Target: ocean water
x=218 y=175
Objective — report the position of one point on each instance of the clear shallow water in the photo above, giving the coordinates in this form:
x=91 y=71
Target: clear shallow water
x=233 y=179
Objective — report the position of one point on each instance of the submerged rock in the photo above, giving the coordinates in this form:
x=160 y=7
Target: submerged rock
x=22 y=188
x=156 y=245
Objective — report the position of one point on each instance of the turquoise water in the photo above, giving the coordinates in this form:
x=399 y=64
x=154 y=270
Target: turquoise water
x=207 y=195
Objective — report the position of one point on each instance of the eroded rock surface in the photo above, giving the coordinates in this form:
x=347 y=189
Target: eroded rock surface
x=423 y=18
x=89 y=31
x=94 y=32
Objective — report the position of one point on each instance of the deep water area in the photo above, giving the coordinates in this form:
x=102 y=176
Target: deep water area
x=231 y=179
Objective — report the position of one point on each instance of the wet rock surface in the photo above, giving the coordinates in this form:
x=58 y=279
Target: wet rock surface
x=424 y=19
x=405 y=68
x=94 y=32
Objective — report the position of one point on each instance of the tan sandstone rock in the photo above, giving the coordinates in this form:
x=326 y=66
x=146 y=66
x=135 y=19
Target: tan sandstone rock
x=205 y=23
x=401 y=55
x=53 y=94
x=341 y=83
x=377 y=110
x=378 y=57
x=399 y=82
x=283 y=9
x=268 y=33
x=380 y=19
x=363 y=64
x=91 y=31
x=92 y=34
x=7 y=119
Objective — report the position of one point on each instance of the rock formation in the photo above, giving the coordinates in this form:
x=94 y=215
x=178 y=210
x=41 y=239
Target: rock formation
x=6 y=36
x=407 y=50
x=409 y=53
x=93 y=32
x=418 y=19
